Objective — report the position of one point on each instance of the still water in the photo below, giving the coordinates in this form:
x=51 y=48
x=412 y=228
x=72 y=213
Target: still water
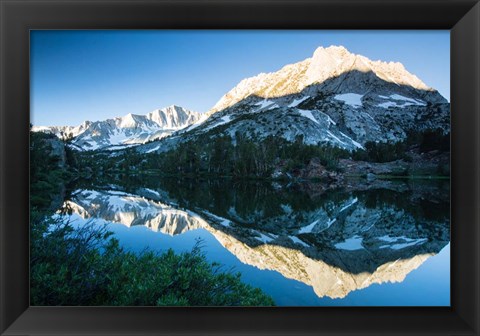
x=377 y=243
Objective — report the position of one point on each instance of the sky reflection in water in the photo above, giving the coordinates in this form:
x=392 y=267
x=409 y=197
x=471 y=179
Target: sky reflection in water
x=339 y=248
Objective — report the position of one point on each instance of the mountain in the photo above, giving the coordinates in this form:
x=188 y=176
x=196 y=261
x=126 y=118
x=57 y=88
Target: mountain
x=334 y=97
x=131 y=210
x=125 y=131
x=325 y=64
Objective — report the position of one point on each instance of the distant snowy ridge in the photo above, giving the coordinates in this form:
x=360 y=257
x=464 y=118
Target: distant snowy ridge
x=121 y=132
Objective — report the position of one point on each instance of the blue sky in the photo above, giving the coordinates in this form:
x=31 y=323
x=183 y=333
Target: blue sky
x=95 y=75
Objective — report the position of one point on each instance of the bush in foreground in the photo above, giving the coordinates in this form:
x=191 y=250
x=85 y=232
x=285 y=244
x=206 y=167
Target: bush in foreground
x=86 y=266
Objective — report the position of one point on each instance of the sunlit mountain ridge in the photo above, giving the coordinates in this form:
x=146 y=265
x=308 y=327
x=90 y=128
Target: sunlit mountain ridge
x=335 y=98
x=325 y=64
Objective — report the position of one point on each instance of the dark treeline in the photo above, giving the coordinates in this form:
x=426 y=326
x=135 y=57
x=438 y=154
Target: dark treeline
x=48 y=170
x=244 y=158
x=220 y=156
x=255 y=158
x=389 y=151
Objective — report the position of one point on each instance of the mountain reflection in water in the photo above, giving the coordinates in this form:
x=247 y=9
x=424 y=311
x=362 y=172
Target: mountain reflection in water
x=336 y=241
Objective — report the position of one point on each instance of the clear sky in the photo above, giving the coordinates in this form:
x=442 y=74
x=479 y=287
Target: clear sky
x=95 y=75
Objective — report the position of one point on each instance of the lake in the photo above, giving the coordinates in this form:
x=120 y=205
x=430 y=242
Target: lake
x=368 y=243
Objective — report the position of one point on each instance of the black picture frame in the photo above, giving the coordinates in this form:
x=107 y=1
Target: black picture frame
x=17 y=17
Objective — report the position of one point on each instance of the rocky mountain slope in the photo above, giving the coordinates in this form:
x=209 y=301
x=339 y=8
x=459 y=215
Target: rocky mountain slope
x=334 y=97
x=121 y=132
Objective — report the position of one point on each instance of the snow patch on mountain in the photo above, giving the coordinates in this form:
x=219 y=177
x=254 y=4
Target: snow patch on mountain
x=265 y=105
x=308 y=114
x=351 y=244
x=398 y=243
x=308 y=228
x=349 y=204
x=334 y=137
x=356 y=144
x=298 y=101
x=223 y=120
x=396 y=100
x=153 y=149
x=352 y=99
x=220 y=220
x=297 y=240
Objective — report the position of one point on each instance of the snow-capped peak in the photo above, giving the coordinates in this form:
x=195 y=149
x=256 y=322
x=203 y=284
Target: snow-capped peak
x=335 y=60
x=128 y=130
x=173 y=117
x=128 y=121
x=334 y=97
x=325 y=64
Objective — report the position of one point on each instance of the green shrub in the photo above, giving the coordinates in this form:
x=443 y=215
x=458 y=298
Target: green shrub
x=86 y=266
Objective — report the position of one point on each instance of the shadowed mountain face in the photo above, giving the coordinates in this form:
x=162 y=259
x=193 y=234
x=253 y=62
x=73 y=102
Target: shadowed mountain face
x=345 y=111
x=335 y=97
x=336 y=242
